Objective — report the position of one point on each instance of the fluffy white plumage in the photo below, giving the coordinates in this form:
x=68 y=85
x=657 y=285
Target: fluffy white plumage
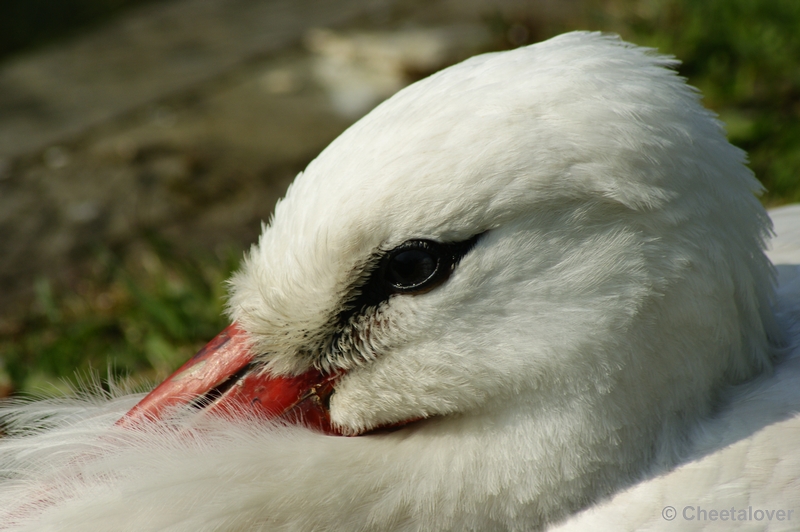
x=613 y=338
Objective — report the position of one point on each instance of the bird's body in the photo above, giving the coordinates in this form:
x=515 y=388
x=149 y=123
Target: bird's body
x=535 y=282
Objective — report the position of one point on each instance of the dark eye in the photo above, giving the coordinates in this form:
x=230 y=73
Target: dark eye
x=414 y=266
x=417 y=266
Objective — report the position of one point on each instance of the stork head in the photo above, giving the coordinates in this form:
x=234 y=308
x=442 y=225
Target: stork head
x=556 y=240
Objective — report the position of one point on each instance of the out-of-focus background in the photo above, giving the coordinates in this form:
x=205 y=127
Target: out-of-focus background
x=143 y=141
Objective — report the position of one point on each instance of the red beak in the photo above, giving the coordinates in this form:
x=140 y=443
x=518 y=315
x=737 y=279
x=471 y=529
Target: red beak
x=222 y=378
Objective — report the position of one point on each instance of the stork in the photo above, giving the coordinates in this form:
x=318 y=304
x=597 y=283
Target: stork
x=528 y=291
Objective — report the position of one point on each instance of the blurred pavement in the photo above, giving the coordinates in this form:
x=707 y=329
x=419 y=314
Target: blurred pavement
x=188 y=118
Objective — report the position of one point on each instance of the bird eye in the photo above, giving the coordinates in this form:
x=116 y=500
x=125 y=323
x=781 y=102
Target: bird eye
x=417 y=266
x=414 y=266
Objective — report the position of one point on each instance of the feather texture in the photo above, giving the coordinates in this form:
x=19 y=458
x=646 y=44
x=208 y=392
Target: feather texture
x=611 y=344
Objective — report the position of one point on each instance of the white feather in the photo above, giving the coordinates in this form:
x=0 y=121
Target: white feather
x=613 y=331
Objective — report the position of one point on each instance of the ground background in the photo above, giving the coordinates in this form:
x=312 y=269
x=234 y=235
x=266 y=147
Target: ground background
x=142 y=142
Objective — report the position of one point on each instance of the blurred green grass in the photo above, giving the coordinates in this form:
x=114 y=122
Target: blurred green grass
x=147 y=310
x=137 y=317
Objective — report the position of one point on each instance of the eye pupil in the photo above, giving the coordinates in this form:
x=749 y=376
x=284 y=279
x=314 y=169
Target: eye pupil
x=411 y=268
